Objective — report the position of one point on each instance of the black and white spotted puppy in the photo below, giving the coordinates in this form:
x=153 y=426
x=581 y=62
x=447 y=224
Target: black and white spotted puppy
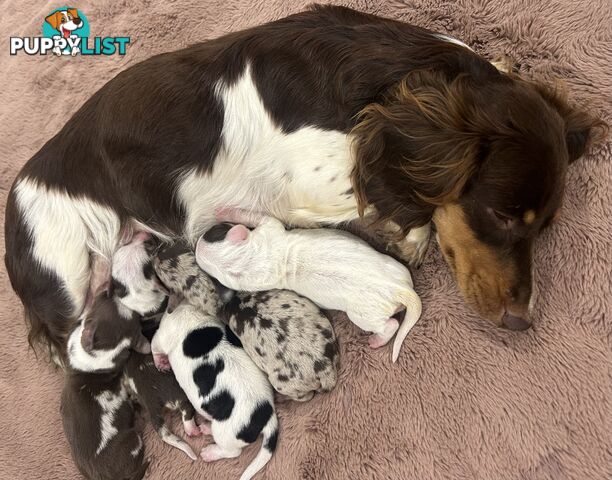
x=289 y=338
x=97 y=414
x=133 y=278
x=221 y=381
x=158 y=392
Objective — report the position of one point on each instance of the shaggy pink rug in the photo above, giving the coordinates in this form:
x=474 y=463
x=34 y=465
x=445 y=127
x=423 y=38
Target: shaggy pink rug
x=465 y=401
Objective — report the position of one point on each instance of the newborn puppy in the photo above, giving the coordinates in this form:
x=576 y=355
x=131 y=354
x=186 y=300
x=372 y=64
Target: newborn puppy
x=102 y=339
x=221 y=381
x=97 y=414
x=334 y=269
x=176 y=267
x=286 y=335
x=157 y=392
x=133 y=278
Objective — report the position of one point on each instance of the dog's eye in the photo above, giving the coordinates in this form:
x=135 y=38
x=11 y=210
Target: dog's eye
x=502 y=216
x=63 y=20
x=507 y=221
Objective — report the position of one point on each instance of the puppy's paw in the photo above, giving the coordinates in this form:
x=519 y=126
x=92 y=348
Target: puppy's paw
x=413 y=247
x=192 y=429
x=205 y=429
x=161 y=362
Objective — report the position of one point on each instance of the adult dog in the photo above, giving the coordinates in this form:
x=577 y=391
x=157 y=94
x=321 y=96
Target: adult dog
x=317 y=118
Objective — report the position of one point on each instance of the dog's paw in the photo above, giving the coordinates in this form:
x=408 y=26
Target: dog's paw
x=161 y=362
x=413 y=247
x=192 y=429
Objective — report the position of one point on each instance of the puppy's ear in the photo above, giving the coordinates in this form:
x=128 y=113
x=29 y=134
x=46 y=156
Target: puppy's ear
x=581 y=128
x=161 y=287
x=54 y=20
x=237 y=234
x=141 y=344
x=174 y=299
x=73 y=12
x=87 y=337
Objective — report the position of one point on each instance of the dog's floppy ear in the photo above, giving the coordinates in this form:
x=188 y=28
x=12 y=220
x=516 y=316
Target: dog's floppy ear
x=54 y=19
x=73 y=12
x=412 y=152
x=581 y=128
x=141 y=344
x=87 y=336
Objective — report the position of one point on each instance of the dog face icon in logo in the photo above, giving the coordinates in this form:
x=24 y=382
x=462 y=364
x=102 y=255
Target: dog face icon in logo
x=66 y=21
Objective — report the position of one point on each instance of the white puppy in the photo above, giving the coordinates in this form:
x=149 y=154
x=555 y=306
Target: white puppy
x=333 y=268
x=221 y=382
x=133 y=277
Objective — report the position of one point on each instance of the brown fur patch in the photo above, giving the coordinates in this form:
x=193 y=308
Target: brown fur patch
x=529 y=217
x=483 y=277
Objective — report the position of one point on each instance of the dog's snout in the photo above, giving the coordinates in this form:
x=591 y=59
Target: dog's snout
x=77 y=21
x=514 y=322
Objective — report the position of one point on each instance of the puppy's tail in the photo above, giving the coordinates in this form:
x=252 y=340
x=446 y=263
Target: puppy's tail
x=412 y=302
x=268 y=445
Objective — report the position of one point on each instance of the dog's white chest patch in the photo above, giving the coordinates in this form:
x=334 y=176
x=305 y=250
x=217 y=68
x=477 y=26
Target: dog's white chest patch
x=109 y=403
x=302 y=177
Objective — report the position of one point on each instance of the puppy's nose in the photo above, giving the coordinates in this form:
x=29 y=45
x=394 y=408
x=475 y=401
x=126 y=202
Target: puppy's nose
x=77 y=21
x=512 y=322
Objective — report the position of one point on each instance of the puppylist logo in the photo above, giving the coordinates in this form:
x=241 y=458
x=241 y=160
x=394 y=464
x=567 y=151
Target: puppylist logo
x=66 y=32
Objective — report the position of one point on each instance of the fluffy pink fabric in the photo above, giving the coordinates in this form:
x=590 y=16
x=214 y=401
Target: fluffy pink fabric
x=465 y=401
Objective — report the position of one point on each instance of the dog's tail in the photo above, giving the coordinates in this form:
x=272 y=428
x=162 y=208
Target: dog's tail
x=268 y=445
x=412 y=302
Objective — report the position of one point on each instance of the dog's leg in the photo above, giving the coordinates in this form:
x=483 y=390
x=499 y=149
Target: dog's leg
x=413 y=247
x=214 y=452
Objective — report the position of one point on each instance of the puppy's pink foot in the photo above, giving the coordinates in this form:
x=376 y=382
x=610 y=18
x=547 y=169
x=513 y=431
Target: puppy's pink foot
x=161 y=362
x=377 y=340
x=205 y=429
x=191 y=428
x=211 y=453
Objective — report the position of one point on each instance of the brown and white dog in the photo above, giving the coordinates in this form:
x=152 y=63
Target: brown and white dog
x=316 y=118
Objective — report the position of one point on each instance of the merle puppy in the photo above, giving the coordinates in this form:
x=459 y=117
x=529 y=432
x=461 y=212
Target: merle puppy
x=287 y=336
x=221 y=381
x=97 y=413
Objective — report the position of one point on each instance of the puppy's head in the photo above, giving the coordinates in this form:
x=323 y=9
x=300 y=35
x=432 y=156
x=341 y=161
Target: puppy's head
x=134 y=281
x=223 y=250
x=65 y=21
x=485 y=155
x=104 y=336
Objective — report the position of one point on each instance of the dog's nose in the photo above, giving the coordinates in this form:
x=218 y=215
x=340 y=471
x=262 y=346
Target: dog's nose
x=513 y=322
x=77 y=21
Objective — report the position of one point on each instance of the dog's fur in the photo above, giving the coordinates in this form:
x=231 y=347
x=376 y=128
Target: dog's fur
x=97 y=413
x=157 y=392
x=312 y=119
x=334 y=269
x=285 y=335
x=221 y=381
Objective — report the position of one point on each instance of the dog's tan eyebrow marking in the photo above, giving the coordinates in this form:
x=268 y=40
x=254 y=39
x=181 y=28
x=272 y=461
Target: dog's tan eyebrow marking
x=529 y=216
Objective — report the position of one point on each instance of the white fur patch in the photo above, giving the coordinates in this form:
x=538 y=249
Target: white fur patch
x=137 y=449
x=64 y=230
x=301 y=177
x=84 y=361
x=109 y=403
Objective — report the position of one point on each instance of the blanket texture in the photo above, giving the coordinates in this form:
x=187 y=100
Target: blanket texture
x=465 y=400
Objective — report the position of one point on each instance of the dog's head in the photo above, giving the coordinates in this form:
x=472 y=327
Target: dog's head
x=102 y=339
x=486 y=157
x=65 y=21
